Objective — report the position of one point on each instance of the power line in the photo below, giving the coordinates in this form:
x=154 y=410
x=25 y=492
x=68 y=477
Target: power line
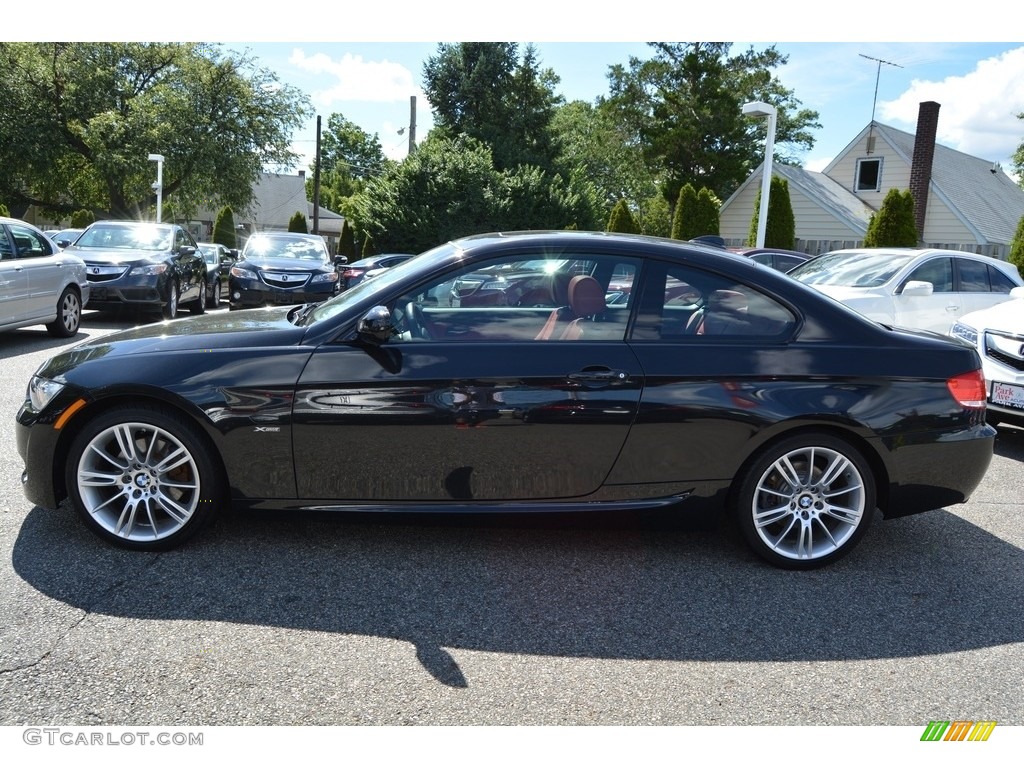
x=874 y=102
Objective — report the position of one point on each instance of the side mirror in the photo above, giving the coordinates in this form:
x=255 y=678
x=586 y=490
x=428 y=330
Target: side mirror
x=340 y=260
x=375 y=325
x=917 y=288
x=1017 y=293
x=187 y=250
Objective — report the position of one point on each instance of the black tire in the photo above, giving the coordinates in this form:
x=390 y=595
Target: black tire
x=143 y=478
x=215 y=301
x=69 y=315
x=198 y=305
x=805 y=501
x=169 y=311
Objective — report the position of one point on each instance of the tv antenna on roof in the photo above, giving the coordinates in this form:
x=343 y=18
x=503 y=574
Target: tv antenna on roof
x=878 y=74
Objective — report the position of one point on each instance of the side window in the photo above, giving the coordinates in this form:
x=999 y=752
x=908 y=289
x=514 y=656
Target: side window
x=973 y=276
x=28 y=243
x=6 y=249
x=938 y=272
x=574 y=297
x=1000 y=282
x=680 y=302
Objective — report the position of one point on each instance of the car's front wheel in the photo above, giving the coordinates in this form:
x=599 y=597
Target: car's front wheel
x=198 y=305
x=170 y=308
x=806 y=501
x=69 y=315
x=141 y=478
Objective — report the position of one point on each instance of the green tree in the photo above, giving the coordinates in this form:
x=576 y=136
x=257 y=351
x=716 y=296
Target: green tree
x=656 y=218
x=224 y=228
x=684 y=107
x=347 y=242
x=622 y=219
x=486 y=91
x=894 y=224
x=1016 y=256
x=780 y=228
x=449 y=188
x=79 y=120
x=298 y=223
x=4 y=211
x=82 y=218
x=705 y=214
x=594 y=147
x=1018 y=157
x=684 y=223
x=347 y=147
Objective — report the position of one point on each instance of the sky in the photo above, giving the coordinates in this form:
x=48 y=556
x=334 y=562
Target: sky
x=366 y=61
x=980 y=87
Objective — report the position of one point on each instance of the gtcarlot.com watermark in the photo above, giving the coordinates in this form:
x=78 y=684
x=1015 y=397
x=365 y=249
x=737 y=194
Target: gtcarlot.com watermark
x=92 y=737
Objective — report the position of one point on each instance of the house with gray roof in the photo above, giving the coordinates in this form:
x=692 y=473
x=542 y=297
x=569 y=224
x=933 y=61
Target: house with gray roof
x=276 y=198
x=961 y=202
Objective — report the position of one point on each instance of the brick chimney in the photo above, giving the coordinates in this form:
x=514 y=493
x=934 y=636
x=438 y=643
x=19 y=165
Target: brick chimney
x=921 y=165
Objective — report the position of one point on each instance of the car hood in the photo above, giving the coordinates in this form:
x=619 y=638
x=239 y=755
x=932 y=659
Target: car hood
x=268 y=327
x=1005 y=316
x=99 y=255
x=846 y=292
x=286 y=265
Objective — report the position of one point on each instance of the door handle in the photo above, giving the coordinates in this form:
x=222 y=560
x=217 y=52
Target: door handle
x=599 y=376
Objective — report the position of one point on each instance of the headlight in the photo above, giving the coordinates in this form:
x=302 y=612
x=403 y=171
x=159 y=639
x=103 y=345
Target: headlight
x=326 y=277
x=243 y=274
x=41 y=391
x=965 y=332
x=149 y=269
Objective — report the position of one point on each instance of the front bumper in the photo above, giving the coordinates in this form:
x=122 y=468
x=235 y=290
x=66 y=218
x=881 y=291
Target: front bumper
x=251 y=293
x=127 y=291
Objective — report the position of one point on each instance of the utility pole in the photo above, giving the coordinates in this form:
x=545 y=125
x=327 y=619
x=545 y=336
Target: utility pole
x=316 y=182
x=878 y=74
x=412 y=124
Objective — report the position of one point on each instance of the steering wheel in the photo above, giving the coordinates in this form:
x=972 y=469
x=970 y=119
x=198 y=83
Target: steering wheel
x=416 y=321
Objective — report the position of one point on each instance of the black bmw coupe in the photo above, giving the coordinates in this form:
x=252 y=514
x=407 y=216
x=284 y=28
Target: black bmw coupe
x=748 y=392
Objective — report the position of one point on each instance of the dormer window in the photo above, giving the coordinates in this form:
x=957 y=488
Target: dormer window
x=869 y=175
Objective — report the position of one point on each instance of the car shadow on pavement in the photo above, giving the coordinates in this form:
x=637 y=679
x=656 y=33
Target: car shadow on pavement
x=928 y=584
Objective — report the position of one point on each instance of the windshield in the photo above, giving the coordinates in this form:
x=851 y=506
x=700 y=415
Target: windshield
x=382 y=284
x=261 y=247
x=140 y=237
x=860 y=269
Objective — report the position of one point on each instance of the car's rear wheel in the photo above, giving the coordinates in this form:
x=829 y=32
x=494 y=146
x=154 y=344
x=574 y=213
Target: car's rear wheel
x=141 y=478
x=170 y=308
x=215 y=301
x=806 y=501
x=69 y=315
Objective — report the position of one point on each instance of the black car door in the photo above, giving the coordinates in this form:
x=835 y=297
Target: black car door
x=467 y=404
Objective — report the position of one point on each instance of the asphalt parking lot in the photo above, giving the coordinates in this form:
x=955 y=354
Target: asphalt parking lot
x=272 y=619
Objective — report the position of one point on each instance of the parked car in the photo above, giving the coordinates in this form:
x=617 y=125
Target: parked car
x=922 y=289
x=998 y=335
x=143 y=266
x=776 y=258
x=282 y=268
x=218 y=263
x=355 y=272
x=754 y=394
x=38 y=282
x=64 y=237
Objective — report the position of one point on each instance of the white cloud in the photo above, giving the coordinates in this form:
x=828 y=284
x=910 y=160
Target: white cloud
x=357 y=79
x=978 y=113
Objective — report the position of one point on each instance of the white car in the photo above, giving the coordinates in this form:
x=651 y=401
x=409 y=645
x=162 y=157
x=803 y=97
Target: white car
x=39 y=283
x=927 y=289
x=998 y=335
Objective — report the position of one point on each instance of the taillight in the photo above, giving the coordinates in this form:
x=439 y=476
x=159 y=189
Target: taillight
x=350 y=273
x=968 y=389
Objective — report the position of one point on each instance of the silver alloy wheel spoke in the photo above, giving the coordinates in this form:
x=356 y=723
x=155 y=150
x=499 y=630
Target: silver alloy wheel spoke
x=823 y=497
x=138 y=481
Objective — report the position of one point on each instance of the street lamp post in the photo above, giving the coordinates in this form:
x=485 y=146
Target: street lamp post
x=159 y=186
x=761 y=109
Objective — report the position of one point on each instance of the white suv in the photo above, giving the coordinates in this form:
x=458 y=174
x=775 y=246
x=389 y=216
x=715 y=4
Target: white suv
x=998 y=335
x=38 y=282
